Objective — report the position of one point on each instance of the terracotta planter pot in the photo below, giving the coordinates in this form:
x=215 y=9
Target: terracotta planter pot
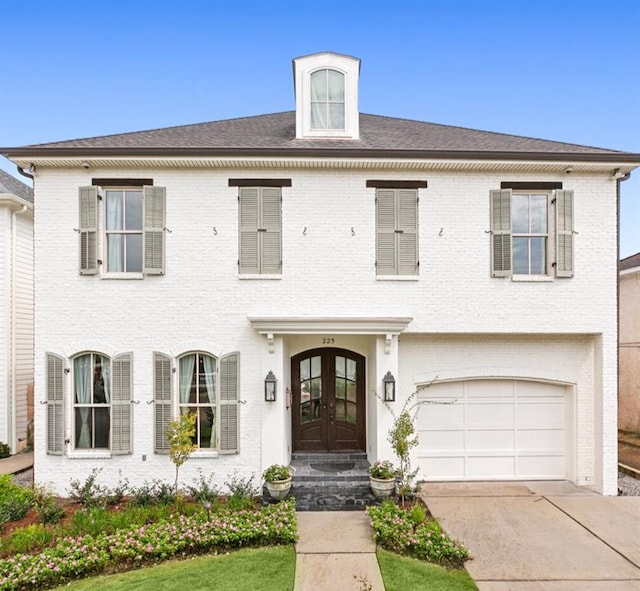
x=278 y=489
x=382 y=488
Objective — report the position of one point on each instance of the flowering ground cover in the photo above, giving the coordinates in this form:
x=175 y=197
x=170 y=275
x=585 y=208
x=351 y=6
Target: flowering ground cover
x=412 y=532
x=177 y=536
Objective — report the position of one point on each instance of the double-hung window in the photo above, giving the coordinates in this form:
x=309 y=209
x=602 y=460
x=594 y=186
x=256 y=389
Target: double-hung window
x=98 y=390
x=396 y=231
x=206 y=387
x=122 y=230
x=531 y=233
x=123 y=215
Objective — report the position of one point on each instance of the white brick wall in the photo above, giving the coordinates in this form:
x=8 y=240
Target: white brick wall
x=330 y=271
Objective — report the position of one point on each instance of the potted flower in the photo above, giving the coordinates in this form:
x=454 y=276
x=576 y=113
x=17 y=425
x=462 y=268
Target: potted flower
x=382 y=477
x=277 y=479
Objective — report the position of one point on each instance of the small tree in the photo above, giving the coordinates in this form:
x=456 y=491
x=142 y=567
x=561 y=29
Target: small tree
x=403 y=438
x=180 y=434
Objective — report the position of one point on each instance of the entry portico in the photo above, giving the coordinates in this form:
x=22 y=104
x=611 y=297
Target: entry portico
x=329 y=370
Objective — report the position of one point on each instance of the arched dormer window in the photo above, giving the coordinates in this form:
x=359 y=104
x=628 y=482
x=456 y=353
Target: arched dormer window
x=326 y=86
x=327 y=99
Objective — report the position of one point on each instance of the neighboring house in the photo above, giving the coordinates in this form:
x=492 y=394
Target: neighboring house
x=629 y=362
x=177 y=269
x=16 y=311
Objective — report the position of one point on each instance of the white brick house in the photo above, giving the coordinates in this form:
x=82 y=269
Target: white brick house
x=176 y=268
x=16 y=310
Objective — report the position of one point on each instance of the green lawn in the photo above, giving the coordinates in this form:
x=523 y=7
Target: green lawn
x=400 y=573
x=267 y=569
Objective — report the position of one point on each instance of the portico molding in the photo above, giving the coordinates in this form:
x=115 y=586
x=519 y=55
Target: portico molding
x=388 y=326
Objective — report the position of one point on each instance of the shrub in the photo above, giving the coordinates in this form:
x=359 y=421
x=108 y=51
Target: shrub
x=242 y=492
x=400 y=531
x=89 y=493
x=154 y=493
x=203 y=489
x=76 y=557
x=5 y=450
x=46 y=505
x=15 y=500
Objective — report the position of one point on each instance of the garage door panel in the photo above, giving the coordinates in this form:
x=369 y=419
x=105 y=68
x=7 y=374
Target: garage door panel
x=489 y=389
x=541 y=439
x=434 y=416
x=494 y=415
x=541 y=466
x=442 y=440
x=526 y=389
x=490 y=467
x=490 y=440
x=540 y=413
x=441 y=468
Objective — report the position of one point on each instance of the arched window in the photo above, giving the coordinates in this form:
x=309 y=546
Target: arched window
x=197 y=395
x=91 y=401
x=327 y=99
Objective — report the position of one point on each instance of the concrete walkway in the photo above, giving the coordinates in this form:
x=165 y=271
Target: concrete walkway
x=549 y=536
x=336 y=552
x=16 y=463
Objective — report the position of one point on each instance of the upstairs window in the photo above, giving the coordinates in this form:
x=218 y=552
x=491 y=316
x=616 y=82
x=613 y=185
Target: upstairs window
x=531 y=233
x=396 y=232
x=122 y=231
x=260 y=234
x=327 y=100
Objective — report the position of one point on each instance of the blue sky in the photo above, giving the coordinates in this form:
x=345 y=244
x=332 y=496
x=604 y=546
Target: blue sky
x=565 y=70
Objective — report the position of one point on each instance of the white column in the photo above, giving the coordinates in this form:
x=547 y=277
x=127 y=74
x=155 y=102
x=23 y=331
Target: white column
x=386 y=360
x=274 y=430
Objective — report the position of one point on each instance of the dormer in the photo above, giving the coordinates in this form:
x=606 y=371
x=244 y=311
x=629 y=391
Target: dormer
x=326 y=87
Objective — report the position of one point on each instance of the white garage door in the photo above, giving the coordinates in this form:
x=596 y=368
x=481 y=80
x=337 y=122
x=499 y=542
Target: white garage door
x=494 y=429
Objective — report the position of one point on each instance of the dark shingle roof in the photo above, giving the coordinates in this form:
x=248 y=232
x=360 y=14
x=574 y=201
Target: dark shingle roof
x=13 y=186
x=275 y=134
x=630 y=262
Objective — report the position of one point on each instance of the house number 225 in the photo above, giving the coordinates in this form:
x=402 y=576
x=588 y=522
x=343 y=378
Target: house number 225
x=328 y=341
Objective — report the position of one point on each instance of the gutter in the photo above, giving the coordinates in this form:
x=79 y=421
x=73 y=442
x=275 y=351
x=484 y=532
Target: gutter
x=618 y=182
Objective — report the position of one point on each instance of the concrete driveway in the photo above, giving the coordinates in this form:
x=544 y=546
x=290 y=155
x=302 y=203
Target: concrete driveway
x=541 y=536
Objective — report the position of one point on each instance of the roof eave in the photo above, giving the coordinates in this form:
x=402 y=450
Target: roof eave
x=619 y=157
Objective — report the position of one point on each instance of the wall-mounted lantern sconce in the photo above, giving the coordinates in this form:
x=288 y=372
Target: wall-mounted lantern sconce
x=389 y=384
x=270 y=387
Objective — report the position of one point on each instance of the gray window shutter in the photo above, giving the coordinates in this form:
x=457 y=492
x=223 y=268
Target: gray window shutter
x=88 y=225
x=55 y=404
x=249 y=219
x=407 y=232
x=154 y=224
x=501 y=233
x=564 y=233
x=229 y=389
x=121 y=397
x=270 y=234
x=386 y=232
x=162 y=396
